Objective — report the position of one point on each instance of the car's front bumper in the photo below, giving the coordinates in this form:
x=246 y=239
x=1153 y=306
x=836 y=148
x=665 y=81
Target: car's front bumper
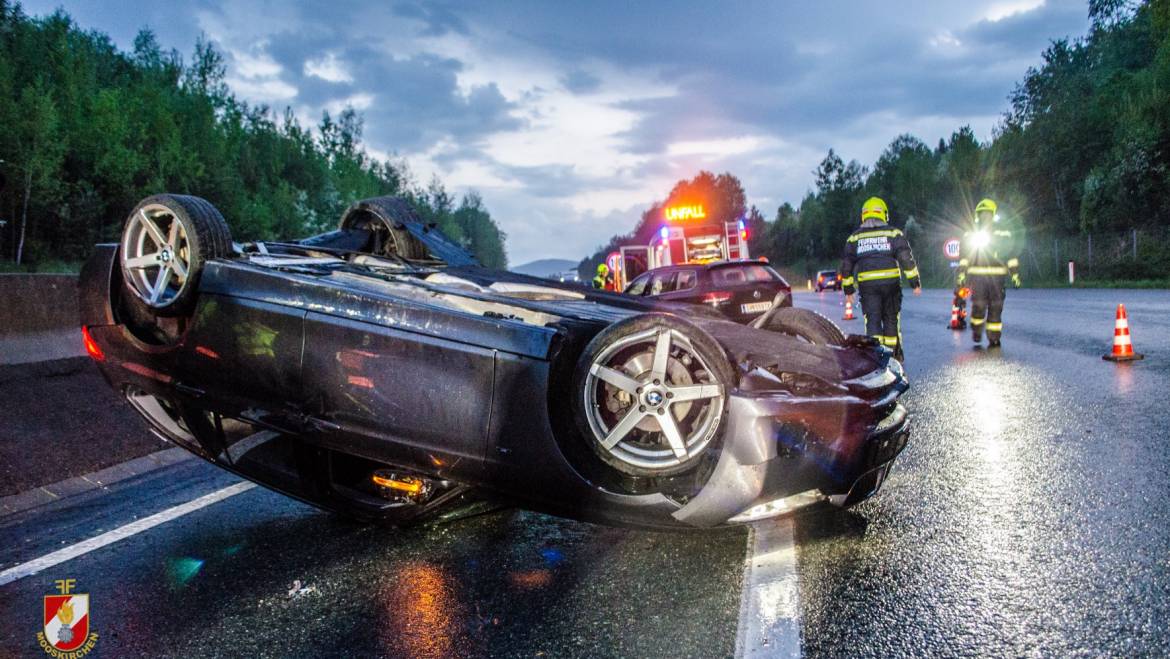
x=783 y=451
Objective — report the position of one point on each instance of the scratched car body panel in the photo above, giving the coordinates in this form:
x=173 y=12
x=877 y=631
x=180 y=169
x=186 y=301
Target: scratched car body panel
x=387 y=388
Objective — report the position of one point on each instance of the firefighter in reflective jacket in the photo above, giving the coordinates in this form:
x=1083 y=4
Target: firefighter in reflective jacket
x=601 y=280
x=877 y=255
x=987 y=260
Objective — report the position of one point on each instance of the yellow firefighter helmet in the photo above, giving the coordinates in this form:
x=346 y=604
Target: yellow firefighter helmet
x=874 y=207
x=986 y=206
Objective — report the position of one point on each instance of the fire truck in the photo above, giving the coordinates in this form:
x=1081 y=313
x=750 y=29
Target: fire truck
x=687 y=235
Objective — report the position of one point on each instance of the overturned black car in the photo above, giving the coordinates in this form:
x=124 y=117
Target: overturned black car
x=379 y=372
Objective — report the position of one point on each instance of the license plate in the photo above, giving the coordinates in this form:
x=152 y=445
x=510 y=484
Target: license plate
x=755 y=307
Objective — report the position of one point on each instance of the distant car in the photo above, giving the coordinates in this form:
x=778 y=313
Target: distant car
x=828 y=280
x=740 y=290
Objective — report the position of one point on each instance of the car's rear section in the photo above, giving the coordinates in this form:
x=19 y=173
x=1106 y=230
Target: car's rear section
x=738 y=290
x=828 y=280
x=742 y=290
x=227 y=386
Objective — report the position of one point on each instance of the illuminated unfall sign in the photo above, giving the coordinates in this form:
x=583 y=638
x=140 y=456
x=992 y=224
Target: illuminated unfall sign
x=684 y=213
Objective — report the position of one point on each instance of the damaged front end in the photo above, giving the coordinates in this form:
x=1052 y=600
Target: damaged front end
x=807 y=424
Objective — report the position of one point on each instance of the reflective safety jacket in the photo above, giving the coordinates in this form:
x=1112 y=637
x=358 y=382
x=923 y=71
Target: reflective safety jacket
x=877 y=252
x=989 y=252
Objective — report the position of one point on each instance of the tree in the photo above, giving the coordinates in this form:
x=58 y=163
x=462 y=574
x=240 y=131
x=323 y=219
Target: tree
x=722 y=197
x=89 y=130
x=484 y=238
x=38 y=150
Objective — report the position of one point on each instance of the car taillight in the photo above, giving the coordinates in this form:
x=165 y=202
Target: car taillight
x=717 y=298
x=91 y=346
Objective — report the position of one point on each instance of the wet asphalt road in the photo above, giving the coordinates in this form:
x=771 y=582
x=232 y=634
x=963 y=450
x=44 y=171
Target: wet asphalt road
x=217 y=582
x=1028 y=516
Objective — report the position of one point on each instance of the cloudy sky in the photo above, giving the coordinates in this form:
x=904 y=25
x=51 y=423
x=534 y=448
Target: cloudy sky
x=570 y=118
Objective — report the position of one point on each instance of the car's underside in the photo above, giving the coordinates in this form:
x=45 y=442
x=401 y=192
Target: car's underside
x=378 y=371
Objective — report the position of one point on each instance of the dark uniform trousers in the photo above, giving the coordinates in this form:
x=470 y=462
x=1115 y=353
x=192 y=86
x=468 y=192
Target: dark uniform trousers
x=881 y=304
x=987 y=295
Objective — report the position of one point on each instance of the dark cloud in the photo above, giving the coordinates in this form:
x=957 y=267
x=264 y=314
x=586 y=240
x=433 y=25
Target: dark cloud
x=803 y=75
x=579 y=81
x=438 y=19
x=796 y=69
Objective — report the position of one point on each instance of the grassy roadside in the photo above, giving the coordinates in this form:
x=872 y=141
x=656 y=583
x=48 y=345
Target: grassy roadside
x=44 y=267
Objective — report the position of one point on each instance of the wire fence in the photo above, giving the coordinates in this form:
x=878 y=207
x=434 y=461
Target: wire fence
x=1138 y=256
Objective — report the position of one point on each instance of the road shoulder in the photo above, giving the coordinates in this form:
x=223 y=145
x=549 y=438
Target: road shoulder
x=45 y=494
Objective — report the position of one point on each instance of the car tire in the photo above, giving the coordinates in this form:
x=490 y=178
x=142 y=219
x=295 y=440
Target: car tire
x=385 y=218
x=166 y=241
x=808 y=325
x=623 y=394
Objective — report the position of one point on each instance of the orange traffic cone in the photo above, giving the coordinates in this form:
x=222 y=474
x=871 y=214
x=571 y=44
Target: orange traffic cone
x=1122 y=345
x=848 y=310
x=954 y=318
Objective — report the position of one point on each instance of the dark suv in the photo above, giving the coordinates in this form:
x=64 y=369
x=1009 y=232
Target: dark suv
x=741 y=290
x=828 y=280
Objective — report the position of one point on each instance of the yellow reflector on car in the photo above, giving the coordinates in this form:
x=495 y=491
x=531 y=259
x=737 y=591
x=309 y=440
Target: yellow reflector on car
x=407 y=484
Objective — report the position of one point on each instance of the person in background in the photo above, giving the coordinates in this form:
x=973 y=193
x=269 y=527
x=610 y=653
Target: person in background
x=988 y=259
x=876 y=257
x=602 y=280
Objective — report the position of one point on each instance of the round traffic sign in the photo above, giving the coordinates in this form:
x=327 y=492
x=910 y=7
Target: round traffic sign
x=951 y=248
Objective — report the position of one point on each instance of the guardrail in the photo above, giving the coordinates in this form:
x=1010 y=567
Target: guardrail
x=37 y=303
x=38 y=318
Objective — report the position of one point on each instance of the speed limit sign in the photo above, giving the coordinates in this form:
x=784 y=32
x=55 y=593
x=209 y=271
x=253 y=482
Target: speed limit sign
x=951 y=248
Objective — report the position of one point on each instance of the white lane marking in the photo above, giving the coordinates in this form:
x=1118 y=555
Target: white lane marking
x=121 y=533
x=769 y=613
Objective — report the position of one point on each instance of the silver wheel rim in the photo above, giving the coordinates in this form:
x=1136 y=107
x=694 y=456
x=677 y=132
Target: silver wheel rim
x=652 y=401
x=156 y=255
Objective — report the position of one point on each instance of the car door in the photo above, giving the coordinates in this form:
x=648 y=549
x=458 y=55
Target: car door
x=635 y=262
x=401 y=393
x=638 y=286
x=683 y=286
x=661 y=283
x=243 y=352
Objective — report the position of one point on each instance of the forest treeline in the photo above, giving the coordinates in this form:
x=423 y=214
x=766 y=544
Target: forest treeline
x=1083 y=148
x=88 y=130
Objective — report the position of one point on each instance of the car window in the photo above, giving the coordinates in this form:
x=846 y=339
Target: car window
x=686 y=280
x=728 y=276
x=740 y=274
x=638 y=286
x=828 y=273
x=661 y=282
